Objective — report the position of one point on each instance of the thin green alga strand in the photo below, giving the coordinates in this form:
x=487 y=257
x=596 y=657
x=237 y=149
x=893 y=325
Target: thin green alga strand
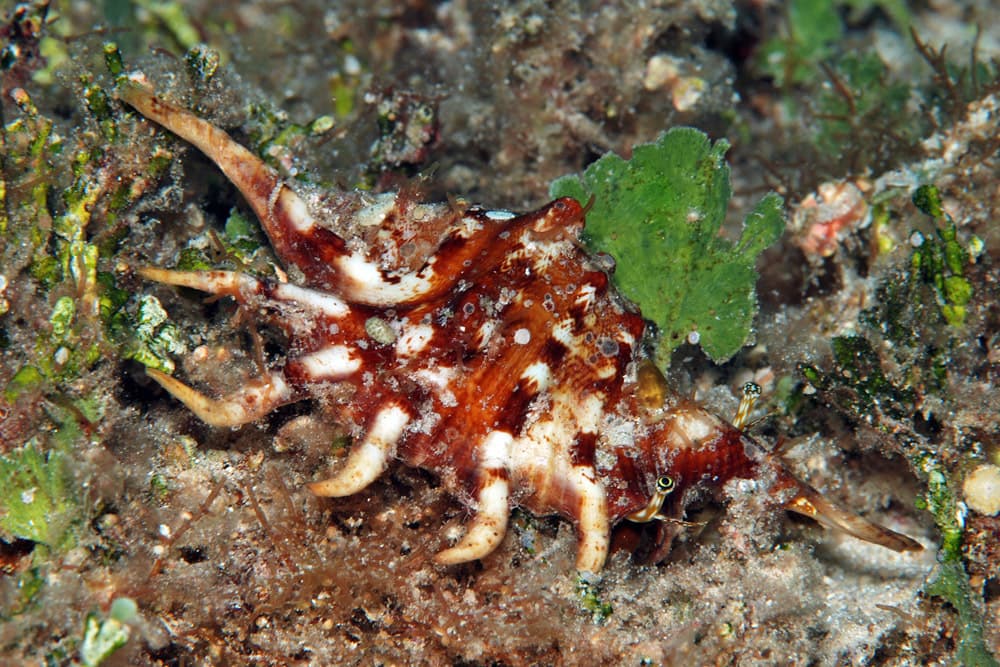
x=941 y=261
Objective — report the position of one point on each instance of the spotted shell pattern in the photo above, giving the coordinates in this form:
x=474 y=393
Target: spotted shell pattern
x=501 y=360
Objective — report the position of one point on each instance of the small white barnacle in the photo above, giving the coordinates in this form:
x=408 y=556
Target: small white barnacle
x=608 y=346
x=380 y=331
x=500 y=216
x=522 y=336
x=548 y=303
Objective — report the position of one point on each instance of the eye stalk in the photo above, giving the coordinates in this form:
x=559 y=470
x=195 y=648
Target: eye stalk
x=751 y=392
x=651 y=512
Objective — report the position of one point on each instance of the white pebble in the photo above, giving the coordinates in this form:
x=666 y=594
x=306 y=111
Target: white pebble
x=982 y=489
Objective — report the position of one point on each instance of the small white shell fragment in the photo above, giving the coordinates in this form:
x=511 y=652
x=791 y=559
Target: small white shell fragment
x=982 y=489
x=661 y=69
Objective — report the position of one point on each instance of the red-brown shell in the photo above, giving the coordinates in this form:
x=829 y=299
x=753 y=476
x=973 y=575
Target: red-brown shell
x=504 y=362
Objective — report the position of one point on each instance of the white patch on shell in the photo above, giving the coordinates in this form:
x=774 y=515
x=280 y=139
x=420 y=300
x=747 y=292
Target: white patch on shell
x=428 y=420
x=414 y=339
x=539 y=374
x=438 y=380
x=539 y=254
x=605 y=460
x=330 y=363
x=563 y=333
x=693 y=427
x=485 y=334
x=297 y=211
x=590 y=412
x=370 y=285
x=522 y=336
x=543 y=450
x=495 y=451
x=544 y=254
x=536 y=450
x=619 y=431
x=585 y=296
x=325 y=303
x=468 y=227
x=389 y=425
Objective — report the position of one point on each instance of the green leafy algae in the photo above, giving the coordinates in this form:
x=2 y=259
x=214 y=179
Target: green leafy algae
x=101 y=638
x=811 y=29
x=659 y=215
x=155 y=339
x=860 y=102
x=589 y=593
x=810 y=34
x=35 y=500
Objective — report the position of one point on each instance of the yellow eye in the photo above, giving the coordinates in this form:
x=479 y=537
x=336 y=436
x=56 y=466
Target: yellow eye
x=665 y=484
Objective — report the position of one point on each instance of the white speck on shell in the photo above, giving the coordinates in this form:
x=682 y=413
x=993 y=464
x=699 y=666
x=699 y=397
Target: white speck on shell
x=500 y=216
